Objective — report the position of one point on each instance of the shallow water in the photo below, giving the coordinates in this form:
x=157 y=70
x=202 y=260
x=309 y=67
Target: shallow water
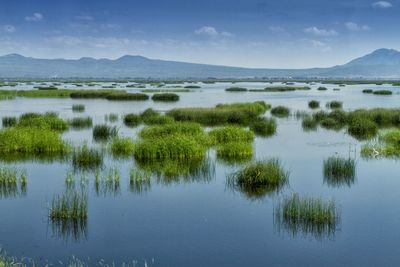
x=200 y=221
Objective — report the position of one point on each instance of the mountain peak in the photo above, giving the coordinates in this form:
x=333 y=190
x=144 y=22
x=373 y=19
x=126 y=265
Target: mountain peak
x=382 y=56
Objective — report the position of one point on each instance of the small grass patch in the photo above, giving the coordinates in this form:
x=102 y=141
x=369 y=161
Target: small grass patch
x=313 y=104
x=122 y=147
x=230 y=134
x=236 y=89
x=280 y=112
x=367 y=91
x=166 y=97
x=132 y=120
x=309 y=124
x=382 y=92
x=339 y=171
x=81 y=123
x=104 y=132
x=235 y=151
x=47 y=121
x=334 y=105
x=182 y=128
x=127 y=97
x=86 y=158
x=322 y=88
x=69 y=207
x=9 y=122
x=362 y=129
x=264 y=127
x=78 y=108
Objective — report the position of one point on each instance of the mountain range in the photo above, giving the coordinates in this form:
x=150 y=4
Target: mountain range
x=382 y=63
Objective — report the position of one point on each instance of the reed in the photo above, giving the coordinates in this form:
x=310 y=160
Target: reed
x=139 y=181
x=382 y=92
x=112 y=117
x=181 y=128
x=313 y=104
x=132 y=120
x=122 y=147
x=127 y=97
x=230 y=134
x=235 y=151
x=236 y=89
x=81 y=122
x=104 y=132
x=367 y=91
x=166 y=97
x=280 y=111
x=47 y=121
x=78 y=108
x=362 y=129
x=322 y=88
x=86 y=158
x=334 y=104
x=69 y=207
x=264 y=127
x=337 y=168
x=9 y=122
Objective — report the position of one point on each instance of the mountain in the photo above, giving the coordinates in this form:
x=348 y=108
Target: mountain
x=382 y=63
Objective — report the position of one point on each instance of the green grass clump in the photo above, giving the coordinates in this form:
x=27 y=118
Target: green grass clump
x=112 y=117
x=132 y=120
x=285 y=88
x=322 y=88
x=230 y=134
x=169 y=97
x=307 y=215
x=280 y=111
x=382 y=92
x=264 y=127
x=309 y=124
x=236 y=89
x=47 y=88
x=47 y=121
x=334 y=104
x=362 y=128
x=108 y=183
x=158 y=120
x=139 y=181
x=104 y=132
x=9 y=121
x=127 y=97
x=69 y=207
x=12 y=182
x=86 y=158
x=182 y=128
x=31 y=141
x=122 y=146
x=367 y=91
x=382 y=117
x=192 y=87
x=338 y=171
x=78 y=108
x=176 y=146
x=235 y=151
x=81 y=122
x=387 y=146
x=259 y=178
x=313 y=104
x=237 y=113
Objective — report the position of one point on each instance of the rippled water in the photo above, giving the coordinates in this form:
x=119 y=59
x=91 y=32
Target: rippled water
x=199 y=221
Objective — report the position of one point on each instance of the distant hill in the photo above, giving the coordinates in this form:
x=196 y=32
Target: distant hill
x=382 y=63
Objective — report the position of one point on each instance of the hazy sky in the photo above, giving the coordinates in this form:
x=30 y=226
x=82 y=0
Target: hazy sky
x=251 y=33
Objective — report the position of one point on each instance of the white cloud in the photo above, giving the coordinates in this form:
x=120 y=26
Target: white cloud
x=8 y=28
x=35 y=17
x=352 y=26
x=212 y=32
x=276 y=29
x=320 y=32
x=382 y=4
x=320 y=45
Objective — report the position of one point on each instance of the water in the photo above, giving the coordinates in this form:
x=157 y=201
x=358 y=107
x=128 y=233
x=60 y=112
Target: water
x=200 y=221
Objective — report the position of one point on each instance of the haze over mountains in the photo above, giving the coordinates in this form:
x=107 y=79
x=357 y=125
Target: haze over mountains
x=382 y=63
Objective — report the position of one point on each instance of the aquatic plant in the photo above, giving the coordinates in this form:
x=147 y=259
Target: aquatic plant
x=165 y=97
x=78 y=108
x=127 y=96
x=338 y=169
x=46 y=121
x=69 y=207
x=13 y=182
x=334 y=104
x=309 y=124
x=104 y=132
x=306 y=215
x=108 y=183
x=362 y=128
x=382 y=92
x=122 y=146
x=81 y=122
x=139 y=181
x=112 y=117
x=183 y=128
x=313 y=104
x=322 y=88
x=263 y=127
x=259 y=178
x=235 y=151
x=367 y=91
x=236 y=89
x=280 y=111
x=9 y=121
x=192 y=87
x=132 y=120
x=230 y=134
x=86 y=158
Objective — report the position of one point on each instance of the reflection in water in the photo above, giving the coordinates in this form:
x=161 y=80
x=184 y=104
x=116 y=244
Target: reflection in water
x=13 y=182
x=139 y=182
x=75 y=230
x=40 y=158
x=306 y=217
x=180 y=171
x=108 y=183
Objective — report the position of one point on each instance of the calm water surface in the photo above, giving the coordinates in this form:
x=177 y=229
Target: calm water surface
x=200 y=221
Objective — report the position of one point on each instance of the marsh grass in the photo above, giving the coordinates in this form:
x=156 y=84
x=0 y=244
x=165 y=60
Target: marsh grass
x=108 y=183
x=322 y=88
x=122 y=147
x=235 y=151
x=362 y=128
x=263 y=127
x=280 y=112
x=166 y=97
x=46 y=121
x=112 y=117
x=259 y=178
x=78 y=108
x=104 y=132
x=71 y=206
x=339 y=171
x=307 y=216
x=388 y=146
x=236 y=89
x=183 y=128
x=127 y=97
x=132 y=120
x=313 y=104
x=9 y=122
x=139 y=181
x=367 y=91
x=230 y=134
x=334 y=104
x=309 y=124
x=81 y=123
x=222 y=114
x=85 y=158
x=382 y=92
x=13 y=182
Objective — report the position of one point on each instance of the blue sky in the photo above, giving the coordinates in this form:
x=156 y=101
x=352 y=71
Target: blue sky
x=250 y=33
